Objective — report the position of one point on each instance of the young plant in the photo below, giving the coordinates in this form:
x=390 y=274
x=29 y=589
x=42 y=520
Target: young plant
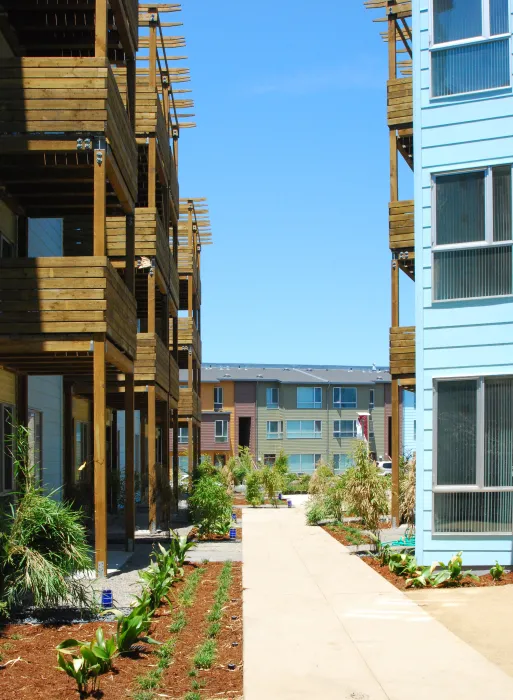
x=407 y=495
x=402 y=564
x=272 y=480
x=132 y=629
x=497 y=571
x=205 y=655
x=211 y=506
x=85 y=662
x=315 y=511
x=178 y=547
x=254 y=493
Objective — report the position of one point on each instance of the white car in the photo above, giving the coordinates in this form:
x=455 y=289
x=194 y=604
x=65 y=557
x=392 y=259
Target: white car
x=386 y=467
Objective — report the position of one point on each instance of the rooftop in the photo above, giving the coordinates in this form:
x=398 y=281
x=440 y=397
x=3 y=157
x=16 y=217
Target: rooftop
x=294 y=374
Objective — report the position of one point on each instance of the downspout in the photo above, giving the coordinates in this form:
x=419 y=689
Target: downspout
x=329 y=429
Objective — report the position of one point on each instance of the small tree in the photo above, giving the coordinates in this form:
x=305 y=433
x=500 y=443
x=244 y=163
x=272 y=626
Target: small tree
x=272 y=480
x=365 y=489
x=407 y=494
x=254 y=494
x=211 y=505
x=282 y=463
x=242 y=465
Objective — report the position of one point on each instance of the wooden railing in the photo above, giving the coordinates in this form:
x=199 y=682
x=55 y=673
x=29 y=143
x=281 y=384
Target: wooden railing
x=400 y=102
x=188 y=333
x=402 y=350
x=189 y=403
x=187 y=264
x=126 y=13
x=152 y=363
x=79 y=295
x=402 y=230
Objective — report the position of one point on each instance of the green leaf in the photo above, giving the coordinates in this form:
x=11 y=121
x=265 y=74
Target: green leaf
x=69 y=643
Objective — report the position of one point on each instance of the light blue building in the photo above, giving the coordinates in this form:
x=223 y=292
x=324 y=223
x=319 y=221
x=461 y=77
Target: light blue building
x=463 y=145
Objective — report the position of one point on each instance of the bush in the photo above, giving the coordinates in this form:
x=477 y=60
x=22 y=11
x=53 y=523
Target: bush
x=321 y=479
x=211 y=506
x=43 y=543
x=315 y=512
x=407 y=491
x=254 y=493
x=365 y=489
x=242 y=465
x=272 y=482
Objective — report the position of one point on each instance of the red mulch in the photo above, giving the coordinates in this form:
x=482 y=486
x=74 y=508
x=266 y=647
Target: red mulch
x=400 y=581
x=341 y=535
x=194 y=536
x=36 y=677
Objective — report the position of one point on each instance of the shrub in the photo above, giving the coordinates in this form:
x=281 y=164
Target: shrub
x=407 y=491
x=272 y=481
x=178 y=547
x=211 y=506
x=320 y=479
x=254 y=494
x=242 y=465
x=315 y=511
x=365 y=490
x=497 y=571
x=282 y=463
x=43 y=543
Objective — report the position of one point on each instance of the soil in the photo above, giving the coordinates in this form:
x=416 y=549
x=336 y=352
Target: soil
x=342 y=535
x=241 y=501
x=400 y=581
x=34 y=675
x=193 y=536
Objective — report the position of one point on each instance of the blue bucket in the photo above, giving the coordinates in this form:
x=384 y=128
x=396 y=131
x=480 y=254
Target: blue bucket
x=233 y=533
x=289 y=503
x=107 y=599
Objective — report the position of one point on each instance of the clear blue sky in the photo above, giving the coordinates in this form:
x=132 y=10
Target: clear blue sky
x=291 y=150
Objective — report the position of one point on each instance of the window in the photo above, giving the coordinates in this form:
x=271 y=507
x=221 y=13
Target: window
x=272 y=397
x=35 y=426
x=81 y=450
x=218 y=398
x=470 y=46
x=371 y=398
x=303 y=464
x=472 y=234
x=6 y=466
x=306 y=429
x=473 y=489
x=341 y=462
x=183 y=434
x=6 y=247
x=414 y=429
x=221 y=431
x=309 y=397
x=344 y=429
x=274 y=429
x=269 y=460
x=344 y=397
x=183 y=463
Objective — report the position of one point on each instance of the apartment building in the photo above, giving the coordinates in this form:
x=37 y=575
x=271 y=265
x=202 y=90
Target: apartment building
x=310 y=413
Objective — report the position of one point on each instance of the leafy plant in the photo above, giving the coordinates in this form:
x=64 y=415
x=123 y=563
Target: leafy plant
x=204 y=657
x=84 y=662
x=242 y=465
x=254 y=492
x=497 y=571
x=407 y=495
x=188 y=592
x=315 y=511
x=132 y=629
x=211 y=506
x=157 y=582
x=272 y=480
x=402 y=564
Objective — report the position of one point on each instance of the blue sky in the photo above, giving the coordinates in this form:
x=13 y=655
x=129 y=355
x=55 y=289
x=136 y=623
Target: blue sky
x=291 y=150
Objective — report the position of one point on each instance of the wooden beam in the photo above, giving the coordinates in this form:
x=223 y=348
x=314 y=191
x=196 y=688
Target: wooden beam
x=129 y=464
x=101 y=28
x=119 y=185
x=100 y=202
x=130 y=253
x=100 y=459
x=152 y=458
x=152 y=171
x=396 y=435
x=22 y=408
x=115 y=357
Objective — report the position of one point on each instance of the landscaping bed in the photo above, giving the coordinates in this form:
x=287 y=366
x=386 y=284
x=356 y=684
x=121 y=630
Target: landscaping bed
x=350 y=534
x=31 y=649
x=194 y=536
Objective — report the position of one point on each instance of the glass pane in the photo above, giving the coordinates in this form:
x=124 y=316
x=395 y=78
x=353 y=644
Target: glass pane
x=460 y=208
x=499 y=17
x=318 y=395
x=473 y=512
x=336 y=396
x=295 y=463
x=472 y=273
x=456 y=19
x=502 y=203
x=462 y=69
x=305 y=397
x=498 y=438
x=456 y=433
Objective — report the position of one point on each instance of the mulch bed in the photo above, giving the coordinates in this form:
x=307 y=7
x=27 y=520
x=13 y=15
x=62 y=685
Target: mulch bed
x=36 y=677
x=193 y=536
x=400 y=581
x=241 y=501
x=343 y=536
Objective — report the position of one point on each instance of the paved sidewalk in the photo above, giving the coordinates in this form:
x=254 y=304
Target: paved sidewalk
x=319 y=623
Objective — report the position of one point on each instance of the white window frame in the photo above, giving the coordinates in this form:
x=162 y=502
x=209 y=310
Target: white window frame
x=488 y=241
x=270 y=391
x=181 y=440
x=485 y=38
x=4 y=406
x=312 y=405
x=317 y=430
x=223 y=438
x=345 y=404
x=274 y=435
x=218 y=405
x=337 y=434
x=479 y=487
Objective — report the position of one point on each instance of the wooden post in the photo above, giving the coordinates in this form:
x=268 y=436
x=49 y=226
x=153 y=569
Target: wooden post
x=100 y=199
x=100 y=458
x=67 y=421
x=152 y=458
x=151 y=302
x=130 y=88
x=152 y=171
x=129 y=464
x=396 y=434
x=101 y=29
x=175 y=461
x=114 y=462
x=143 y=456
x=166 y=506
x=130 y=253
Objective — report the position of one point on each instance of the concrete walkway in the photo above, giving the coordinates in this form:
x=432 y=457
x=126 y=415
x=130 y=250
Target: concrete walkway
x=319 y=623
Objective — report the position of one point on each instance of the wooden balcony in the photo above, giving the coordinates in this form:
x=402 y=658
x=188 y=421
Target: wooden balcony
x=402 y=351
x=153 y=361
x=72 y=295
x=400 y=103
x=150 y=241
x=188 y=334
x=189 y=405
x=402 y=230
x=174 y=378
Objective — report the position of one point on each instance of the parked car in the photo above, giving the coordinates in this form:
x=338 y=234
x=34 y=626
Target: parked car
x=385 y=466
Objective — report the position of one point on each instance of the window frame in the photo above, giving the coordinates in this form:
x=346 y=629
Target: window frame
x=7 y=241
x=479 y=487
x=313 y=405
x=317 y=433
x=306 y=454
x=223 y=438
x=276 y=436
x=372 y=398
x=485 y=38
x=180 y=428
x=218 y=405
x=272 y=405
x=354 y=436
x=339 y=405
x=269 y=459
x=488 y=241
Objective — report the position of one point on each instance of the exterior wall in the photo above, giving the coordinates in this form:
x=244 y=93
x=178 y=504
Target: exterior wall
x=456 y=339
x=45 y=394
x=409 y=423
x=208 y=444
x=245 y=407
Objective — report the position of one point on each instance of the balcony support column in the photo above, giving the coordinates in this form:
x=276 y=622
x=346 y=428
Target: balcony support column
x=175 y=461
x=151 y=302
x=129 y=464
x=101 y=29
x=100 y=199
x=190 y=449
x=130 y=253
x=152 y=458
x=100 y=457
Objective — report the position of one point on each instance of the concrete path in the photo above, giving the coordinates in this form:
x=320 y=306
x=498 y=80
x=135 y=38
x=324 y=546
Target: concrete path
x=319 y=623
